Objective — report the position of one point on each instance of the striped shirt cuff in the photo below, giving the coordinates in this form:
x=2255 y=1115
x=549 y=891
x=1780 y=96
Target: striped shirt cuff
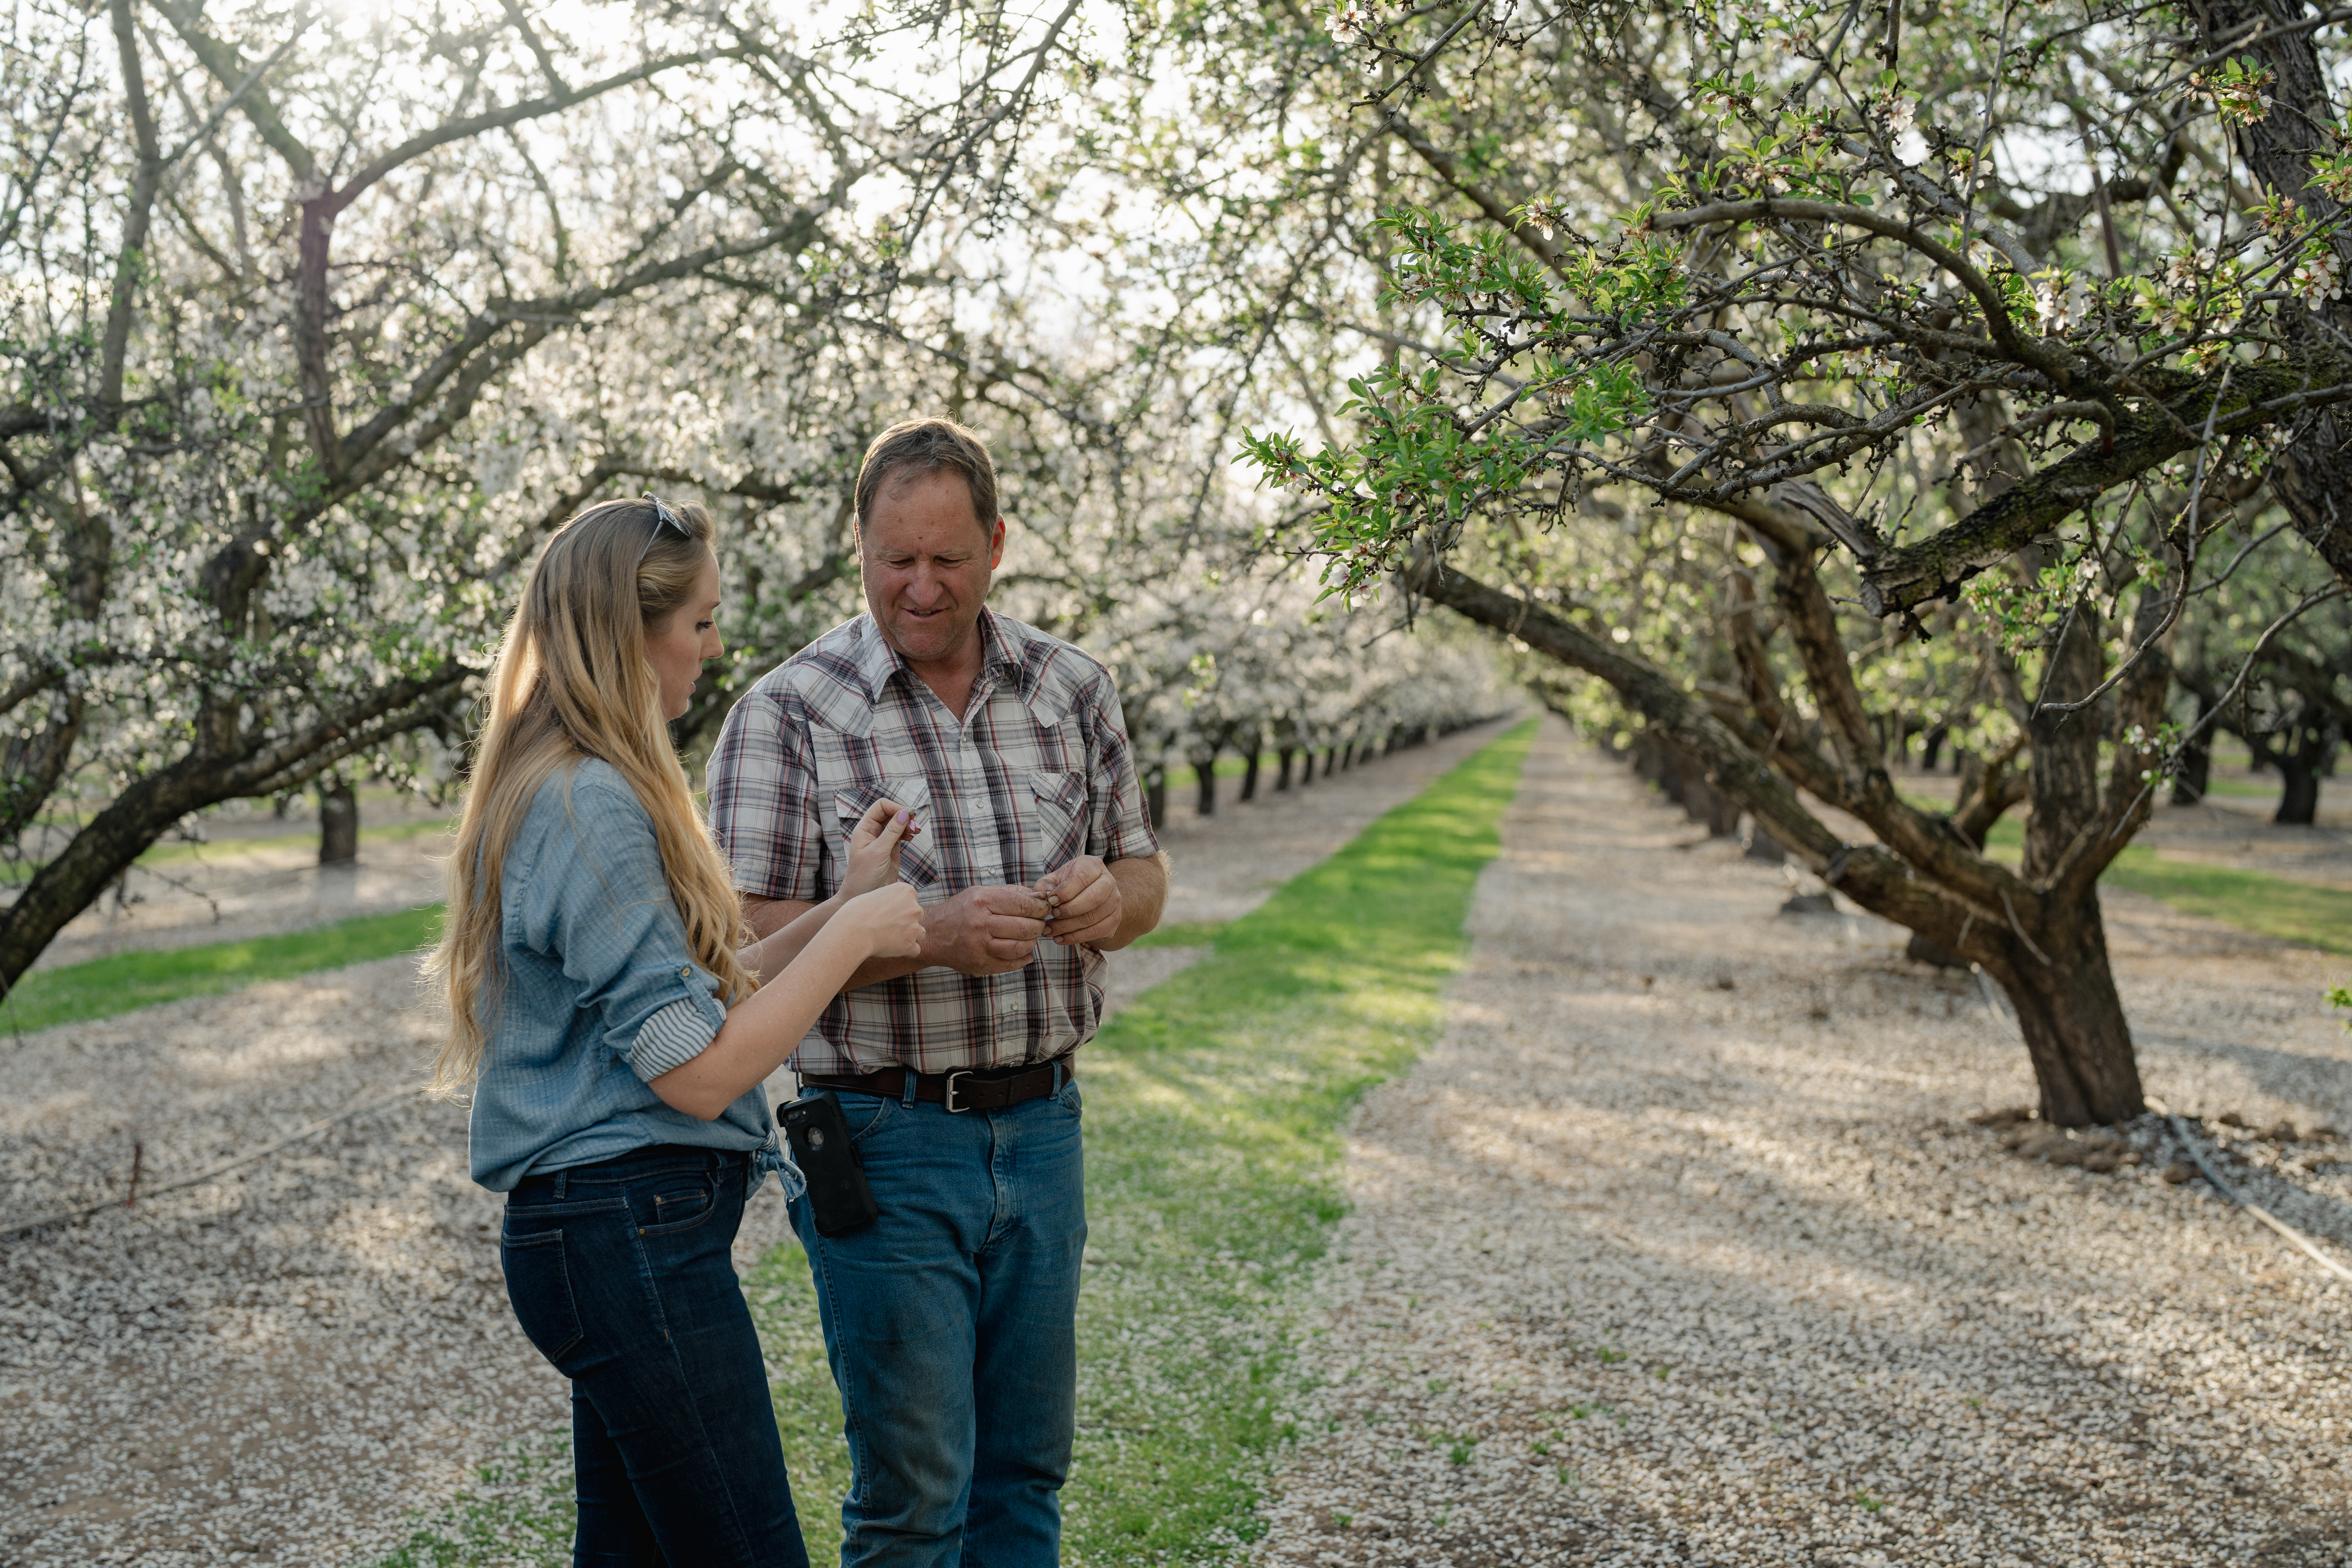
x=672 y=1038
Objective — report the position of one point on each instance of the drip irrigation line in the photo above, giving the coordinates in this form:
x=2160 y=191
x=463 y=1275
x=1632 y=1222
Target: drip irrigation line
x=2231 y=1194
x=210 y=1172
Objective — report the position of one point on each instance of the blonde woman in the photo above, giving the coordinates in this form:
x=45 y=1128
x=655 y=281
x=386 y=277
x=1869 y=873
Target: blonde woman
x=616 y=1039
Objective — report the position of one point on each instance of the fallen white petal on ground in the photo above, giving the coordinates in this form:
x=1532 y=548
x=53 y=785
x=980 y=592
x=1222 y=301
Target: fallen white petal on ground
x=285 y=1362
x=1678 y=1248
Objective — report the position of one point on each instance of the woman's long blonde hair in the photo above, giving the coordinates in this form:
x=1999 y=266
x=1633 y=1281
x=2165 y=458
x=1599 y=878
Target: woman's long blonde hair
x=572 y=681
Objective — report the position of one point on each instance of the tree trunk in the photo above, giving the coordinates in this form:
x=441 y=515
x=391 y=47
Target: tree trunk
x=2299 y=764
x=1706 y=804
x=2196 y=774
x=1670 y=770
x=1762 y=845
x=145 y=810
x=1330 y=760
x=1205 y=774
x=1282 y=779
x=339 y=825
x=1932 y=748
x=2073 y=1026
x=1155 y=798
x=2312 y=473
x=2060 y=983
x=1249 y=775
x=1927 y=949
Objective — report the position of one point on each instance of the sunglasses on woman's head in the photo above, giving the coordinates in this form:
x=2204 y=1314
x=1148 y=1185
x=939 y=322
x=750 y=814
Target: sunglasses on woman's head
x=665 y=521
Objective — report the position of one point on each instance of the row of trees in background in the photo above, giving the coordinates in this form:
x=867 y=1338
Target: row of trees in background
x=1789 y=379
x=317 y=321
x=1789 y=369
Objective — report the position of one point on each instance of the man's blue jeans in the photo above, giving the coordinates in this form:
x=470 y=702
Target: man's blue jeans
x=951 y=1324
x=621 y=1274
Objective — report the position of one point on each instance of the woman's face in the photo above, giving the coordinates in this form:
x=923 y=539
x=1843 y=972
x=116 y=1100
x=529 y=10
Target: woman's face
x=677 y=644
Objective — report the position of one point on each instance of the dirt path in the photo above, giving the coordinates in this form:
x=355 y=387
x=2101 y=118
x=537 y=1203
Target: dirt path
x=280 y=1364
x=1677 y=1249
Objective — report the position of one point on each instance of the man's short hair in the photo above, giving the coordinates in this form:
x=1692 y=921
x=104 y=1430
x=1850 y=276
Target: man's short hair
x=916 y=446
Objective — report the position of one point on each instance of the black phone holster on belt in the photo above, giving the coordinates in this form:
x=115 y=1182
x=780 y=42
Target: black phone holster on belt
x=839 y=1199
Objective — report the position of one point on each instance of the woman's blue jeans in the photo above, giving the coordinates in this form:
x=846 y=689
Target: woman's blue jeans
x=951 y=1324
x=621 y=1273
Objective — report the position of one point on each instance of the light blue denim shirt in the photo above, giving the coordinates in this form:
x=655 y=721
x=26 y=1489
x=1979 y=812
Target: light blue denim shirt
x=598 y=995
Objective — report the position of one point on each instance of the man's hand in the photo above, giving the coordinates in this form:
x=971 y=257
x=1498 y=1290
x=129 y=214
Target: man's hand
x=1087 y=900
x=984 y=931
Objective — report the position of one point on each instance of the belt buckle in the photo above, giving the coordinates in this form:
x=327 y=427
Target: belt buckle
x=948 y=1099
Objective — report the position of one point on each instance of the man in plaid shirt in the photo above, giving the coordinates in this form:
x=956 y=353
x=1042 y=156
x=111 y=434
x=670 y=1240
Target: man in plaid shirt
x=951 y=1319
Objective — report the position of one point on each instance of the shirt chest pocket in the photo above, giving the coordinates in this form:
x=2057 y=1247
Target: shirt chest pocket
x=918 y=861
x=1057 y=828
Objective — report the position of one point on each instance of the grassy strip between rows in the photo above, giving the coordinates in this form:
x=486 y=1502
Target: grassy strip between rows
x=1213 y=1107
x=103 y=987
x=1185 y=933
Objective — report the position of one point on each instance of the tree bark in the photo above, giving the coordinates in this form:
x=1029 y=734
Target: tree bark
x=1155 y=798
x=2313 y=475
x=1703 y=803
x=2065 y=993
x=146 y=809
x=2299 y=762
x=2072 y=1022
x=1249 y=775
x=339 y=825
x=2196 y=774
x=1205 y=775
x=1282 y=779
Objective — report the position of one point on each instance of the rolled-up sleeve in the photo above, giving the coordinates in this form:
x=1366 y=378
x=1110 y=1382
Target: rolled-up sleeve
x=1120 y=824
x=598 y=903
x=763 y=802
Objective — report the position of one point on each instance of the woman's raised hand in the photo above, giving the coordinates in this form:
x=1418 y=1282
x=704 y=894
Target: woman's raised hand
x=889 y=919
x=874 y=846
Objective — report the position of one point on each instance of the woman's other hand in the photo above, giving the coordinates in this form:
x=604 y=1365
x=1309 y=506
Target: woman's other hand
x=888 y=919
x=874 y=846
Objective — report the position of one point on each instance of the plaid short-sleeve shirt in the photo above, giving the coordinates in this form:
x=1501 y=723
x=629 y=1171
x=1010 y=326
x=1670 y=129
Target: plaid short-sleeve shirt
x=1036 y=774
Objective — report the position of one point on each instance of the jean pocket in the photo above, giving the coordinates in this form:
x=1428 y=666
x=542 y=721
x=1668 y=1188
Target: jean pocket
x=539 y=1288
x=681 y=1208
x=1071 y=1100
x=863 y=1113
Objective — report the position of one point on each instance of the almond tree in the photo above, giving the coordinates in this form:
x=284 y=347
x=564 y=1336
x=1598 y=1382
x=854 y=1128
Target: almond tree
x=317 y=320
x=1971 y=323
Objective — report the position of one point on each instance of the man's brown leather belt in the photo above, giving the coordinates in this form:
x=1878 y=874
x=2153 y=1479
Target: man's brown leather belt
x=976 y=1089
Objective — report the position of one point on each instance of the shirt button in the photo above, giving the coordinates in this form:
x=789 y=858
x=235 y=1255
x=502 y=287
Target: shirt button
x=685 y=972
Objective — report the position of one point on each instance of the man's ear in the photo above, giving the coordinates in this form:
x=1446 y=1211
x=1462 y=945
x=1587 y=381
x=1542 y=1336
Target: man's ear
x=996 y=542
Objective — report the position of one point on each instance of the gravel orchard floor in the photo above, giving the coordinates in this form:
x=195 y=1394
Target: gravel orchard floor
x=1764 y=1241
x=1680 y=1248
x=284 y=1363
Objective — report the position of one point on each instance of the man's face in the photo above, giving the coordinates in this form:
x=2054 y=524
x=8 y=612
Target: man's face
x=927 y=562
